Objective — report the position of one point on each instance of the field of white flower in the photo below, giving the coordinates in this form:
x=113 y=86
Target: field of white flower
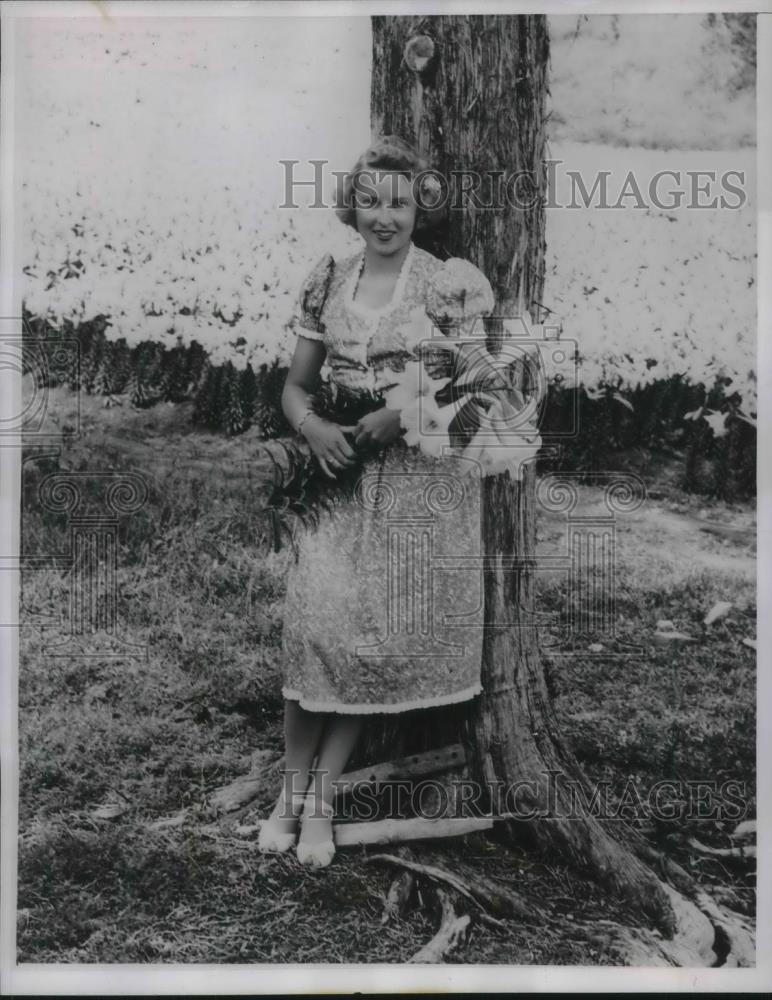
x=148 y=164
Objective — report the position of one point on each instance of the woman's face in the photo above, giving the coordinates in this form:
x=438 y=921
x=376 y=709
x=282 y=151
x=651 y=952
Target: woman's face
x=385 y=211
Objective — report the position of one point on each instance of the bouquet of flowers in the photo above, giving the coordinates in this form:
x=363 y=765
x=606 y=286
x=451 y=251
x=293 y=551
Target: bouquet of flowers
x=458 y=398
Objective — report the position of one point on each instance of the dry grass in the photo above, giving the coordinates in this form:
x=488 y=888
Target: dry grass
x=155 y=735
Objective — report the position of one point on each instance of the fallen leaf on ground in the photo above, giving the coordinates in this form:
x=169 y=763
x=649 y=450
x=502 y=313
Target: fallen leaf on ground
x=745 y=830
x=665 y=637
x=170 y=821
x=719 y=610
x=110 y=810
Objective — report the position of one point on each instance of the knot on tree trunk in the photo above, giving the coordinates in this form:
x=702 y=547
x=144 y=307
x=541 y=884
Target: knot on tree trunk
x=420 y=54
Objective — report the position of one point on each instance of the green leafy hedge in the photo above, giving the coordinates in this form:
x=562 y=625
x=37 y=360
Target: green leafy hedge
x=592 y=428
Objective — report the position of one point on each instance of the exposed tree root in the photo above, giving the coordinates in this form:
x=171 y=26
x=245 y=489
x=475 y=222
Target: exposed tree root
x=451 y=933
x=705 y=935
x=399 y=896
x=638 y=946
x=240 y=792
x=245 y=789
x=483 y=891
x=735 y=936
x=742 y=852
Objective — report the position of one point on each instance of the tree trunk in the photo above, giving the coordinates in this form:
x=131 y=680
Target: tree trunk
x=469 y=92
x=477 y=106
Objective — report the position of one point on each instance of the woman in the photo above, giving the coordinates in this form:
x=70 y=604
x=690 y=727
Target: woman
x=370 y=626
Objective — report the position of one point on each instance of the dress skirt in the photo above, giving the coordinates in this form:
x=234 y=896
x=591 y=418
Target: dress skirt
x=384 y=603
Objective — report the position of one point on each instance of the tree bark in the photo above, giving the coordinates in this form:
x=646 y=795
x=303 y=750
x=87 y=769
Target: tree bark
x=470 y=92
x=477 y=106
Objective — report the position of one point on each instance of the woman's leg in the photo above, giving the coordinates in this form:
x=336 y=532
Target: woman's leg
x=302 y=733
x=302 y=739
x=339 y=738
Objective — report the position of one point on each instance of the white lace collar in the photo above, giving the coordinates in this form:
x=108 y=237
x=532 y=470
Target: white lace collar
x=397 y=294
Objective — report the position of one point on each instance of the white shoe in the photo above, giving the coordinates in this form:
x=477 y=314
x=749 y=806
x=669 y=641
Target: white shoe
x=273 y=839
x=316 y=855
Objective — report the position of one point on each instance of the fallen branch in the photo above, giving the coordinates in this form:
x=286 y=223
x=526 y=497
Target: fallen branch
x=483 y=891
x=451 y=933
x=748 y=851
x=400 y=892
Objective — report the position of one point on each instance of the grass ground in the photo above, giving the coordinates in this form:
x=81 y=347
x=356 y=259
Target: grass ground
x=107 y=747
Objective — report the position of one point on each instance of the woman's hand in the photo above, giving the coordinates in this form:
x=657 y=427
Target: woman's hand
x=328 y=443
x=378 y=428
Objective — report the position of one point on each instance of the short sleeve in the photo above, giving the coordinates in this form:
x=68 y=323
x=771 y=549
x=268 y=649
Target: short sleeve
x=457 y=294
x=313 y=295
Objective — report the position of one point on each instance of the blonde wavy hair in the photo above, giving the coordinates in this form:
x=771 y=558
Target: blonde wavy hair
x=390 y=153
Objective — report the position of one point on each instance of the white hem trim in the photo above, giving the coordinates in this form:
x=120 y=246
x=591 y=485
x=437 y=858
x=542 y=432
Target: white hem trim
x=367 y=708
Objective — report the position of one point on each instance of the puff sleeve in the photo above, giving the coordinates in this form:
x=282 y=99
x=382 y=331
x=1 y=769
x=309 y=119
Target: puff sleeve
x=457 y=294
x=307 y=321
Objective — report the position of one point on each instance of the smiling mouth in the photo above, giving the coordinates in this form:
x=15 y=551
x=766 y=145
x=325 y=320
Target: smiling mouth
x=382 y=235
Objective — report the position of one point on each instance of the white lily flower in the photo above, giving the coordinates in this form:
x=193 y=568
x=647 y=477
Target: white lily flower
x=716 y=422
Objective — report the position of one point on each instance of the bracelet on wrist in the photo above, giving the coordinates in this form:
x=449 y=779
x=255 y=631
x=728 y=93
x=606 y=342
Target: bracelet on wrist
x=308 y=413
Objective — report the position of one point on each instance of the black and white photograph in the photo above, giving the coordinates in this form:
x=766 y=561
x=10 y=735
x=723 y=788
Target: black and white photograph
x=381 y=393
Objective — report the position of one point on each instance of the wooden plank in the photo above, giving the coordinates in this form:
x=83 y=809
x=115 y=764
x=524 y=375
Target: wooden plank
x=398 y=831
x=416 y=765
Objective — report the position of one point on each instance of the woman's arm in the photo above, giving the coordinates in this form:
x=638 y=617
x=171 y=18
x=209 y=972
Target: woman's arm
x=304 y=370
x=325 y=439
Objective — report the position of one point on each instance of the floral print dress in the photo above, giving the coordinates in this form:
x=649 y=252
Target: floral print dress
x=384 y=603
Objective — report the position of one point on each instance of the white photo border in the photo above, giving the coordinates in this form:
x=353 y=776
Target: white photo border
x=59 y=979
